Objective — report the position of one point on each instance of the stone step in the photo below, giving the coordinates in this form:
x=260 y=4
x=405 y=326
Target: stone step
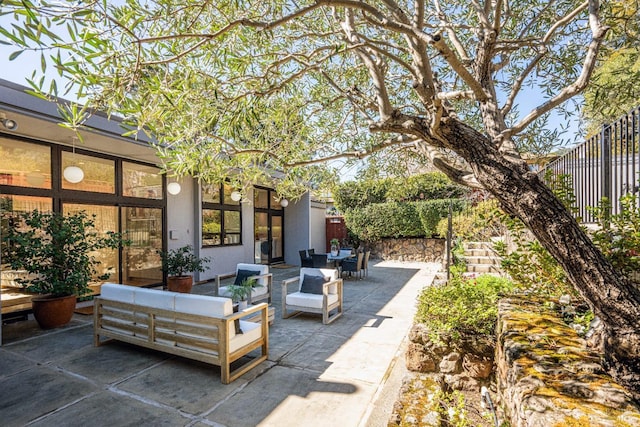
x=482 y=268
x=480 y=252
x=477 y=245
x=471 y=260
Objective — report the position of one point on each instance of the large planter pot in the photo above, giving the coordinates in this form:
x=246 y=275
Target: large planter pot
x=180 y=284
x=53 y=312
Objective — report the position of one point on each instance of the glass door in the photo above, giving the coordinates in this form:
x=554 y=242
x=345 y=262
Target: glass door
x=268 y=227
x=142 y=265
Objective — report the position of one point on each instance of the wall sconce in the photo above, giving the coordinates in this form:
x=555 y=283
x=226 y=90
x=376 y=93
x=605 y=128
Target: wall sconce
x=284 y=202
x=74 y=174
x=236 y=196
x=173 y=188
x=9 y=124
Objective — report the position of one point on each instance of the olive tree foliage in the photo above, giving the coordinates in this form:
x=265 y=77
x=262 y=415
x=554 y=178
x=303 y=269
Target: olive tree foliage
x=262 y=85
x=240 y=89
x=615 y=86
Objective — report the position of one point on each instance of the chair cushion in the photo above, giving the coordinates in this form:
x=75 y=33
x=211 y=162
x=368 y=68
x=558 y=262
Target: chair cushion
x=242 y=275
x=309 y=300
x=313 y=284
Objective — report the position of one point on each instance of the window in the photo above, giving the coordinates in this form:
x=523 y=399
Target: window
x=99 y=174
x=221 y=216
x=24 y=164
x=141 y=181
x=125 y=196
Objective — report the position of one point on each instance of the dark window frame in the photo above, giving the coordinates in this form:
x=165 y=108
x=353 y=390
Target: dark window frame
x=61 y=196
x=222 y=208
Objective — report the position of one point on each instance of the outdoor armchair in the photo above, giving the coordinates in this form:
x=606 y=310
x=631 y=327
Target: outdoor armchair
x=315 y=290
x=243 y=271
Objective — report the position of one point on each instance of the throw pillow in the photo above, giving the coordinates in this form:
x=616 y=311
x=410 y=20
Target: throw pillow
x=312 y=284
x=244 y=274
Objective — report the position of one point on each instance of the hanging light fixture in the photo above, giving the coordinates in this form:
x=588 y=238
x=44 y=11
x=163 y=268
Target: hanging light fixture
x=284 y=202
x=236 y=196
x=74 y=174
x=173 y=188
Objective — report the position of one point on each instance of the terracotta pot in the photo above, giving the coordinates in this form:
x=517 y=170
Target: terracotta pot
x=180 y=284
x=53 y=312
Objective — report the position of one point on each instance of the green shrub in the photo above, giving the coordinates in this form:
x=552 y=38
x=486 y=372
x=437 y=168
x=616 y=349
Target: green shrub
x=432 y=212
x=428 y=186
x=462 y=306
x=476 y=223
x=376 y=221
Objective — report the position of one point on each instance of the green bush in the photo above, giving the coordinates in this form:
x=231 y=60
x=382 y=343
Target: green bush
x=462 y=306
x=476 y=223
x=393 y=219
x=432 y=212
x=428 y=186
x=376 y=221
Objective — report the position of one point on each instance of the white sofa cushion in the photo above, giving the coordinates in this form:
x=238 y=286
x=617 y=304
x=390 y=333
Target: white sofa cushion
x=203 y=305
x=117 y=292
x=155 y=298
x=309 y=300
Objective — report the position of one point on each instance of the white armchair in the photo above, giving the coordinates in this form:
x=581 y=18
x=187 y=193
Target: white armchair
x=317 y=290
x=255 y=271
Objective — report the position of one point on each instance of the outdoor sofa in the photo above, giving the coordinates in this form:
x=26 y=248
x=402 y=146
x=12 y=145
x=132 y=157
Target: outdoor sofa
x=198 y=327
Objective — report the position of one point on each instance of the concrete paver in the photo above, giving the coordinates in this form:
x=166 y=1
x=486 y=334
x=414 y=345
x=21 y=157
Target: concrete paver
x=347 y=373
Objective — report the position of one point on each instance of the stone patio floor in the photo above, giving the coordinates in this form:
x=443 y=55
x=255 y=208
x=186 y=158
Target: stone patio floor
x=344 y=374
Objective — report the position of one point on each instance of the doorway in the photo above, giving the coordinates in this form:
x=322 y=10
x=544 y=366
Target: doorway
x=268 y=227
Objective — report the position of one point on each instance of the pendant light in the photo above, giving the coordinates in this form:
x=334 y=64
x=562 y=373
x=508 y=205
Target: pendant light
x=73 y=174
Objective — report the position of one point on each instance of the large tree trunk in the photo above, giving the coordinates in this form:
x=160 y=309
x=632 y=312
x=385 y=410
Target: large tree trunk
x=522 y=194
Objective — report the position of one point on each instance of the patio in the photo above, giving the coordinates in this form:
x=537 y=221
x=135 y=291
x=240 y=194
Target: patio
x=347 y=373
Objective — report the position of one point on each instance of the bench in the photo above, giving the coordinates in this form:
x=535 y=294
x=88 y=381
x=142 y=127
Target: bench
x=198 y=327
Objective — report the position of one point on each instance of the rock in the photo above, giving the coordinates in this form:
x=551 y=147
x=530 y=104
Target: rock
x=451 y=363
x=417 y=360
x=476 y=366
x=462 y=382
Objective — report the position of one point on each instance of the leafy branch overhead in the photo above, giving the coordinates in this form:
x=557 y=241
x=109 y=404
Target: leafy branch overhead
x=258 y=86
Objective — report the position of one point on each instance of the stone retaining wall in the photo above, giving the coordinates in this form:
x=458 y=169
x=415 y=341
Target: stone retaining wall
x=546 y=375
x=410 y=249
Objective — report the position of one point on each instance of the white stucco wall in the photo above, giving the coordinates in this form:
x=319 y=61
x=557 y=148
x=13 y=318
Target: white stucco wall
x=296 y=229
x=317 y=226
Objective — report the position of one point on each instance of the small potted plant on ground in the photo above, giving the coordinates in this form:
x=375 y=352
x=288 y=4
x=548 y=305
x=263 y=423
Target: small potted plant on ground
x=240 y=293
x=178 y=263
x=56 y=252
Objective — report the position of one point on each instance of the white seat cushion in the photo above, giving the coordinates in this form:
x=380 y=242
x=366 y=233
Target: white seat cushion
x=250 y=332
x=255 y=292
x=309 y=300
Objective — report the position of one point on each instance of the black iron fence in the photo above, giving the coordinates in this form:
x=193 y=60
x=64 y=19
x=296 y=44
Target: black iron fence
x=604 y=166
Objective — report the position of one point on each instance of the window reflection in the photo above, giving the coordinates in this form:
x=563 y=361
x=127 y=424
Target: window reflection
x=24 y=164
x=99 y=174
x=142 y=265
x=106 y=219
x=141 y=181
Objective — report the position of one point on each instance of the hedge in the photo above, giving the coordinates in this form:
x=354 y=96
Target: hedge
x=392 y=219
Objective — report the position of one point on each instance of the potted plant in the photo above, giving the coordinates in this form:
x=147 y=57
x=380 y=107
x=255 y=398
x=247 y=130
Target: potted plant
x=56 y=251
x=178 y=263
x=240 y=293
x=335 y=247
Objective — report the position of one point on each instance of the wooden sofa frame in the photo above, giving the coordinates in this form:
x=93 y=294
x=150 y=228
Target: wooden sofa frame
x=148 y=326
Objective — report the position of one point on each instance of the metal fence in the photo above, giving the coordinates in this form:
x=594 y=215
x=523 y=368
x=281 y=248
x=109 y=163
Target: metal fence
x=606 y=165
